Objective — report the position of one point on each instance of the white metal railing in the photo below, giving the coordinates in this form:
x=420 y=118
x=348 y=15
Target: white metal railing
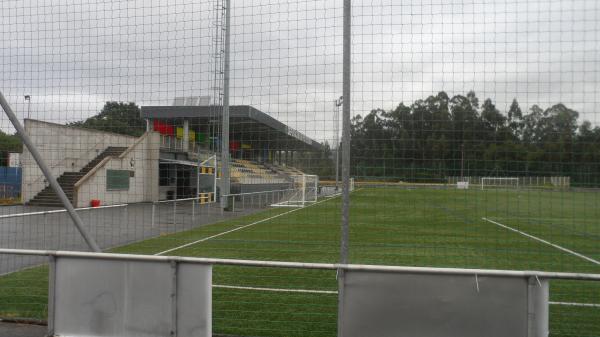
x=195 y=201
x=261 y=196
x=55 y=211
x=309 y=265
x=259 y=192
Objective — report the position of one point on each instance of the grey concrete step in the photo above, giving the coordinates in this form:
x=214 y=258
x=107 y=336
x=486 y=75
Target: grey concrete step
x=67 y=180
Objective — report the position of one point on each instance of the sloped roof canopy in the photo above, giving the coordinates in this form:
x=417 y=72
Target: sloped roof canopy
x=247 y=124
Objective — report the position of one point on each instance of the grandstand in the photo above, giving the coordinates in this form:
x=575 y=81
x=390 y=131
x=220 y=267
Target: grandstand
x=179 y=150
x=262 y=148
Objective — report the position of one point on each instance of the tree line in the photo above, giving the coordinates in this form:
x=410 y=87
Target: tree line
x=439 y=136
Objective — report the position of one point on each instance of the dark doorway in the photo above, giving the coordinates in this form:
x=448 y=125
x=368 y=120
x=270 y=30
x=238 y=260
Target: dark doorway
x=184 y=189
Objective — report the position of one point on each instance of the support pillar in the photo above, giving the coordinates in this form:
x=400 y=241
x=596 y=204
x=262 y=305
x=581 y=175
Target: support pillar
x=186 y=135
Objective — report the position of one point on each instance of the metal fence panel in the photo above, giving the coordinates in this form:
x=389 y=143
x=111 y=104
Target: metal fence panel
x=130 y=298
x=410 y=304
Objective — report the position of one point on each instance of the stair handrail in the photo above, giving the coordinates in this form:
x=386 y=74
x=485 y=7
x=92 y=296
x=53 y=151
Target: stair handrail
x=136 y=143
x=63 y=161
x=106 y=159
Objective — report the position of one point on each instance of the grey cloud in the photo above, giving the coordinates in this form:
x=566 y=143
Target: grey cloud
x=287 y=56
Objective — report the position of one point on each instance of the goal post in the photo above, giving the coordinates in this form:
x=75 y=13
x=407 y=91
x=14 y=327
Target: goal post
x=308 y=185
x=304 y=190
x=499 y=182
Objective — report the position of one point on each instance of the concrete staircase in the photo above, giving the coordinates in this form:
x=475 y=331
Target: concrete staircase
x=67 y=180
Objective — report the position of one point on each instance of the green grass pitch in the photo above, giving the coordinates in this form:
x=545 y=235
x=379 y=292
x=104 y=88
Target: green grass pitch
x=392 y=226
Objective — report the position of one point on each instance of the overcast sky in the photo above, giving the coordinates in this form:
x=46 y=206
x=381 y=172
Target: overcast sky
x=72 y=56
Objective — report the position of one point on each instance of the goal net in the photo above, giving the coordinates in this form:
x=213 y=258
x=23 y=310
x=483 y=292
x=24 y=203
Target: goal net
x=303 y=191
x=499 y=182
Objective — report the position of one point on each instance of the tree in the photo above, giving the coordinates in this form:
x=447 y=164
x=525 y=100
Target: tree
x=10 y=143
x=515 y=118
x=118 y=117
x=492 y=119
x=427 y=139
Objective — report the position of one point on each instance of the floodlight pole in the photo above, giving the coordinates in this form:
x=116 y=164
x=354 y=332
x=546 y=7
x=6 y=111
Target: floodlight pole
x=345 y=224
x=48 y=174
x=225 y=183
x=339 y=102
x=462 y=162
x=28 y=99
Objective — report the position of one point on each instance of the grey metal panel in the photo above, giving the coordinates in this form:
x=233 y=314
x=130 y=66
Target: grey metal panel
x=427 y=305
x=194 y=300
x=540 y=296
x=95 y=297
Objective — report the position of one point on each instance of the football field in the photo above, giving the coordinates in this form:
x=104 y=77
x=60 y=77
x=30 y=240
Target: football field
x=516 y=229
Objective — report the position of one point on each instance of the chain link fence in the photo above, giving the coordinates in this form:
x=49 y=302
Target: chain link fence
x=184 y=128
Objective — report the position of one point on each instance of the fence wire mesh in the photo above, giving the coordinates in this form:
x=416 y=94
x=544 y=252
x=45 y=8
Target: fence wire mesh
x=475 y=143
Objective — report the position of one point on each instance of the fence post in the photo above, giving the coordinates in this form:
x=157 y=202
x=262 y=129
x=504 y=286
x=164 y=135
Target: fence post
x=225 y=176
x=51 y=293
x=124 y=220
x=347 y=99
x=153 y=213
x=175 y=212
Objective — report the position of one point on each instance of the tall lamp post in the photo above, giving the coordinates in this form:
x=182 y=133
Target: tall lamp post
x=338 y=103
x=28 y=99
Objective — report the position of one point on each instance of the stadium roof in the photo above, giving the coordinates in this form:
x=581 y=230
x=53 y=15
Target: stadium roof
x=243 y=119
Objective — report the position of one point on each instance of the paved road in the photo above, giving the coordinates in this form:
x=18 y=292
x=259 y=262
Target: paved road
x=22 y=330
x=110 y=227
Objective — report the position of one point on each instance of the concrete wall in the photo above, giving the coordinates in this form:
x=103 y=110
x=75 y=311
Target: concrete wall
x=64 y=149
x=142 y=158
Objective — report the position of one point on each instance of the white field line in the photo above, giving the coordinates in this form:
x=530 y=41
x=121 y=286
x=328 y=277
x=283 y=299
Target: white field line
x=334 y=292
x=237 y=228
x=581 y=256
x=571 y=304
x=302 y=291
x=542 y=218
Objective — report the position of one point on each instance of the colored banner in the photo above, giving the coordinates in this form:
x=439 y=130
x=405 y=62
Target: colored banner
x=234 y=146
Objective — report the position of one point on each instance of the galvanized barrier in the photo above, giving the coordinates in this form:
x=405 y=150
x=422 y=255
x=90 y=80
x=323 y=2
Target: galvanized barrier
x=99 y=294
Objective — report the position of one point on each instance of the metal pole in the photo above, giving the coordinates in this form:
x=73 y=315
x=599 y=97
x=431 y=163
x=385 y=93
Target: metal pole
x=462 y=162
x=346 y=133
x=28 y=99
x=153 y=213
x=345 y=158
x=198 y=177
x=214 y=199
x=48 y=174
x=225 y=184
x=175 y=212
x=338 y=103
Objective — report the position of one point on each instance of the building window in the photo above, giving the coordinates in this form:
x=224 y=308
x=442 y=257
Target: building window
x=117 y=180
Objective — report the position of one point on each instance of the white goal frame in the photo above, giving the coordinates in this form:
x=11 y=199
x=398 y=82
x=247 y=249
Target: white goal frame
x=304 y=191
x=499 y=179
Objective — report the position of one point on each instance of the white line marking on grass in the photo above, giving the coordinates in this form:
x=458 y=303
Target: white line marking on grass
x=587 y=258
x=238 y=228
x=571 y=304
x=277 y=290
x=334 y=292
